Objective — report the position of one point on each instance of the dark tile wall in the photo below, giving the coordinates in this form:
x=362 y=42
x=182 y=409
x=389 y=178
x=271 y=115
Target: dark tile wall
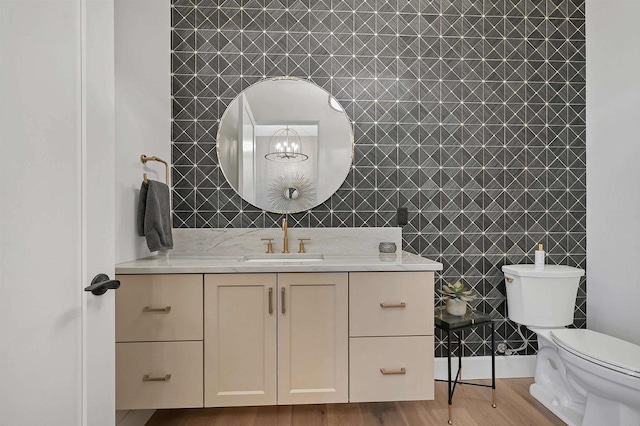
x=470 y=113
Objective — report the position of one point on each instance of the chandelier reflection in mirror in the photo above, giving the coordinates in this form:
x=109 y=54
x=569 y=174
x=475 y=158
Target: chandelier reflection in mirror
x=286 y=146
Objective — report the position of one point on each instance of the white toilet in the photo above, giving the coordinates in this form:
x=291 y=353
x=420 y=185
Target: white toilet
x=583 y=377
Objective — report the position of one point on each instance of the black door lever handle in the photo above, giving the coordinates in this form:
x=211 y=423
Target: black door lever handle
x=101 y=283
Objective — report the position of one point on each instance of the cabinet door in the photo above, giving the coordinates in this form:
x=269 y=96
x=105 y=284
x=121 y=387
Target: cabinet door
x=313 y=338
x=240 y=339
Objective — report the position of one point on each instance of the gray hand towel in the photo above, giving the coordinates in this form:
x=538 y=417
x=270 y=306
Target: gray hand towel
x=154 y=215
x=142 y=206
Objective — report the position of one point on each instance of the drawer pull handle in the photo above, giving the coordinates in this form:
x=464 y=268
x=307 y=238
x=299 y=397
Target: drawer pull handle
x=166 y=309
x=392 y=305
x=147 y=378
x=400 y=371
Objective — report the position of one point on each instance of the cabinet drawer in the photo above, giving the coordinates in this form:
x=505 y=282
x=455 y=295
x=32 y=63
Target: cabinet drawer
x=159 y=308
x=368 y=355
x=390 y=303
x=156 y=360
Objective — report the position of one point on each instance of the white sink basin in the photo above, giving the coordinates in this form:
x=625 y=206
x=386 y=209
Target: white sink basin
x=281 y=257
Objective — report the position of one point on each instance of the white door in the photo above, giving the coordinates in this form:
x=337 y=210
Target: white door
x=240 y=339
x=313 y=341
x=56 y=212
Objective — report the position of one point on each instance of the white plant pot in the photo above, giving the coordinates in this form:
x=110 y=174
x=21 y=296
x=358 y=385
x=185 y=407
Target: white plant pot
x=456 y=307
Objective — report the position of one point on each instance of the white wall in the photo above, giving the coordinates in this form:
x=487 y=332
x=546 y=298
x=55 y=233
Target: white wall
x=143 y=109
x=613 y=167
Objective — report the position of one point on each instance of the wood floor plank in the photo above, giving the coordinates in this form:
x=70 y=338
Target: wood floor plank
x=236 y=416
x=310 y=415
x=440 y=410
x=471 y=407
x=477 y=400
x=519 y=412
x=185 y=417
x=521 y=388
x=345 y=415
x=416 y=414
x=381 y=413
x=273 y=415
x=285 y=415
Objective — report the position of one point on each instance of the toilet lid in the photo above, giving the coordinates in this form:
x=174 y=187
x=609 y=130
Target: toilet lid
x=605 y=350
x=549 y=271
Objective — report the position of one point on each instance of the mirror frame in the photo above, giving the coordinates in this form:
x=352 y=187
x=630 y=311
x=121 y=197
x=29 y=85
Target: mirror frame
x=352 y=138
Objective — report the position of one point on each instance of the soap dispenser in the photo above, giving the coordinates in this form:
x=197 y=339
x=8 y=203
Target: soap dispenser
x=539 y=261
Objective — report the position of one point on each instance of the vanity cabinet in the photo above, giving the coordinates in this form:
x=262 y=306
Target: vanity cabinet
x=159 y=331
x=242 y=339
x=243 y=312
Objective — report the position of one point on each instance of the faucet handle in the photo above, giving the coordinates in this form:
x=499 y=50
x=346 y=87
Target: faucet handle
x=269 y=244
x=302 y=240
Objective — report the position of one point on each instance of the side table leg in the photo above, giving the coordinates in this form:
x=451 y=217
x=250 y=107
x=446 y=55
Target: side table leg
x=449 y=374
x=460 y=352
x=493 y=364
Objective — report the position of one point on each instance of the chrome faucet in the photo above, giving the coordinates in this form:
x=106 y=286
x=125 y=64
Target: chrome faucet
x=285 y=247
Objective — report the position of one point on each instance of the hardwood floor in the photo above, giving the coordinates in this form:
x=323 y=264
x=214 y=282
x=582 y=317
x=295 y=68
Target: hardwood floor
x=471 y=407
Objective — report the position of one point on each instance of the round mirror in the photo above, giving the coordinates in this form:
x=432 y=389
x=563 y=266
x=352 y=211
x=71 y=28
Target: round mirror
x=285 y=145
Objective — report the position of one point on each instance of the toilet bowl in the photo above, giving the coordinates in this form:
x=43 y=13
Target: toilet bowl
x=583 y=377
x=608 y=369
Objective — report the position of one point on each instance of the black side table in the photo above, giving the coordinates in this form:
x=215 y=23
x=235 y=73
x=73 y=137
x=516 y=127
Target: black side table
x=457 y=324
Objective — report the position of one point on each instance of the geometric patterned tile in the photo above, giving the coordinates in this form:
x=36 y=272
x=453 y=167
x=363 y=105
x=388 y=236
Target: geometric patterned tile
x=465 y=112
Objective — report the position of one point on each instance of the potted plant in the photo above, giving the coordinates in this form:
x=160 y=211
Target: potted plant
x=457 y=297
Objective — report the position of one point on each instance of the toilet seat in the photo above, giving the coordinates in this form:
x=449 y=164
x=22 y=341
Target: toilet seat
x=606 y=351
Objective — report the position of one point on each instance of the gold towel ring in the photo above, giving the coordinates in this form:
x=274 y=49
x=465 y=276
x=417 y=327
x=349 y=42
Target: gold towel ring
x=144 y=160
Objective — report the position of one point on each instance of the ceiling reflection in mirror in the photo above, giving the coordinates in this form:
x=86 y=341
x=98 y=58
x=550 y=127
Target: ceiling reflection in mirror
x=285 y=145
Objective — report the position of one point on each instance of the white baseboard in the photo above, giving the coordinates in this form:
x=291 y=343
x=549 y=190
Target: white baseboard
x=133 y=417
x=479 y=367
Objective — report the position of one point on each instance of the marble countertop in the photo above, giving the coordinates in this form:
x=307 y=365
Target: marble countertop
x=189 y=264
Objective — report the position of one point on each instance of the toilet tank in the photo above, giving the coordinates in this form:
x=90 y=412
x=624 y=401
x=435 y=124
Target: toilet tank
x=545 y=298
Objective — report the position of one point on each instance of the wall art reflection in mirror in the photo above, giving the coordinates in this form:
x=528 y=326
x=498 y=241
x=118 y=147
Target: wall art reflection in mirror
x=285 y=145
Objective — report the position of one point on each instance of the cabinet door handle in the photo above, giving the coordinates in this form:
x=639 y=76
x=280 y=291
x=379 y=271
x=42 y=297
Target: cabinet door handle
x=148 y=378
x=400 y=371
x=392 y=305
x=165 y=310
x=282 y=293
x=270 y=300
